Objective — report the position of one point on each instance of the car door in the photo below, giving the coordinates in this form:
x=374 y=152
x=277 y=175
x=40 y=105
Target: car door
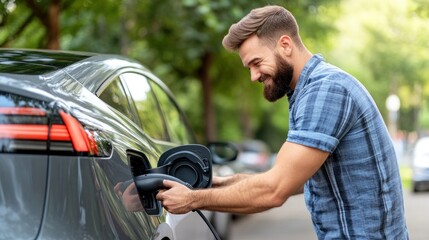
x=161 y=118
x=116 y=95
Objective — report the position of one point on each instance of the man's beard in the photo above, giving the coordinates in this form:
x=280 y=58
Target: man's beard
x=280 y=81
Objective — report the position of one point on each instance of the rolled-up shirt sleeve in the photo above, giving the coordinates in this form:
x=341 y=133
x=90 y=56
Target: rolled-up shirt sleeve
x=321 y=116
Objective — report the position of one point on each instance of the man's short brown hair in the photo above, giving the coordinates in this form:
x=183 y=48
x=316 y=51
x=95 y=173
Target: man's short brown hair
x=268 y=23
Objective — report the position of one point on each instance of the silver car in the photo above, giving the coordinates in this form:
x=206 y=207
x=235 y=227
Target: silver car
x=79 y=133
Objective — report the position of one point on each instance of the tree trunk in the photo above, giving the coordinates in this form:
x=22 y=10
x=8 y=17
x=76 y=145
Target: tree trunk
x=208 y=111
x=50 y=19
x=53 y=28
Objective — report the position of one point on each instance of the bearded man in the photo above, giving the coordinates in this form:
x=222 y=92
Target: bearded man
x=337 y=151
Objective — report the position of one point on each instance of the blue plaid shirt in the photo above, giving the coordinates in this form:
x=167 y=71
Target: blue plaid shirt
x=357 y=193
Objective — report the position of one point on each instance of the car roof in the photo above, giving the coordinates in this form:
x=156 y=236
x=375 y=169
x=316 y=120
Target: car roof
x=36 y=62
x=90 y=69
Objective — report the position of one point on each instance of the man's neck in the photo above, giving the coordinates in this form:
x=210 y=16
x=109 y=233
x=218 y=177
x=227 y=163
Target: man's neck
x=301 y=59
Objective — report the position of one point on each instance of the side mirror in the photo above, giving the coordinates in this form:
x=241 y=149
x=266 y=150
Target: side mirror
x=222 y=152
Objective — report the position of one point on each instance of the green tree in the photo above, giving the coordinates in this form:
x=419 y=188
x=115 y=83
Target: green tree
x=29 y=16
x=385 y=45
x=189 y=39
x=181 y=42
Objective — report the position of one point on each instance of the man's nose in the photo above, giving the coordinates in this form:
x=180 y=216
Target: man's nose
x=255 y=75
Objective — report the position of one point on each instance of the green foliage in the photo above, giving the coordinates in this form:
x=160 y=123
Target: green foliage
x=12 y=16
x=421 y=7
x=171 y=37
x=5 y=8
x=383 y=45
x=94 y=26
x=390 y=55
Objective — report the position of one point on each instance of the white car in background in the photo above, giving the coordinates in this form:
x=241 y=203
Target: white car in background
x=420 y=165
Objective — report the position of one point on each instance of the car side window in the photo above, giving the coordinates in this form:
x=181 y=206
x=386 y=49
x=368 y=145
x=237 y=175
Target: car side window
x=151 y=120
x=114 y=95
x=177 y=126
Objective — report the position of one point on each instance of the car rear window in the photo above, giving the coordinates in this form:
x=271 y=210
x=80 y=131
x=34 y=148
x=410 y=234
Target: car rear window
x=35 y=62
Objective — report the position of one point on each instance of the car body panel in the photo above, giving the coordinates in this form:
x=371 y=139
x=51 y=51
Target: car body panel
x=76 y=197
x=87 y=204
x=22 y=195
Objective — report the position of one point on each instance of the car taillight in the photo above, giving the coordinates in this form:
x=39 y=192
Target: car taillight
x=82 y=141
x=91 y=142
x=28 y=123
x=32 y=129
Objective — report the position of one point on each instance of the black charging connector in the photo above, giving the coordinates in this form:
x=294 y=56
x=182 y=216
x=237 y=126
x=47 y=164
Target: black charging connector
x=148 y=186
x=153 y=182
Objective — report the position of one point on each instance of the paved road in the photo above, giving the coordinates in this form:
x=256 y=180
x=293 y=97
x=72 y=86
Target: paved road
x=292 y=221
x=417 y=213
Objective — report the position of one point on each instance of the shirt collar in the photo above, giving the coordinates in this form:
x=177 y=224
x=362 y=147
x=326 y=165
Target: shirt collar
x=304 y=76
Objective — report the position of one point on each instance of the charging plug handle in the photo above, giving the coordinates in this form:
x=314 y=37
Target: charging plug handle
x=153 y=182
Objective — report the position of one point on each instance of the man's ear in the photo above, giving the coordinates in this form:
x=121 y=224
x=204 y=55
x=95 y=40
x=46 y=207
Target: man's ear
x=285 y=43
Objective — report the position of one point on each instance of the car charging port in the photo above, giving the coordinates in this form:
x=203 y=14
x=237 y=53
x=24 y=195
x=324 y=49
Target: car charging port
x=189 y=165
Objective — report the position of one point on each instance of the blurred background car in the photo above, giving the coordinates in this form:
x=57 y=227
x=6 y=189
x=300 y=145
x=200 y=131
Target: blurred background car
x=420 y=163
x=254 y=156
x=74 y=128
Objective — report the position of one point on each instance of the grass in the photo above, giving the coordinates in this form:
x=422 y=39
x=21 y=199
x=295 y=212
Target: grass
x=406 y=175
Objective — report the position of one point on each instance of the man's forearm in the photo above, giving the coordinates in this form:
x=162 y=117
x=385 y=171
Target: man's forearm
x=247 y=193
x=227 y=181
